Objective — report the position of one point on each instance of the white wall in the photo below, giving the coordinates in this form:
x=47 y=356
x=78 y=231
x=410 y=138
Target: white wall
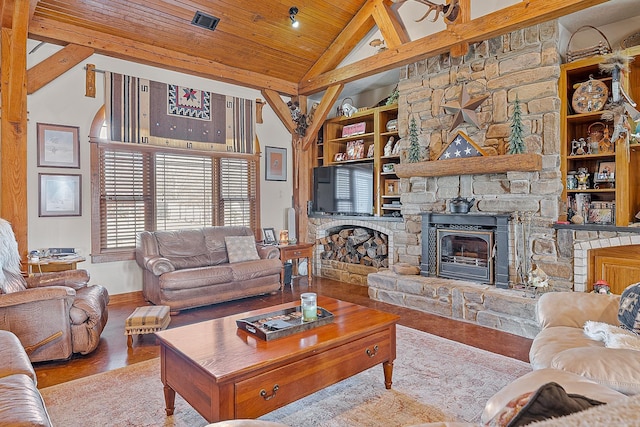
x=62 y=102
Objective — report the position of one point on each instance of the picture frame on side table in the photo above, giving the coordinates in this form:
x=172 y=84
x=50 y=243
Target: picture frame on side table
x=275 y=164
x=58 y=146
x=269 y=236
x=59 y=195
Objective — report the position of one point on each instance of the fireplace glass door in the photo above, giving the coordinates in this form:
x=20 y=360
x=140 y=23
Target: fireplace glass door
x=465 y=255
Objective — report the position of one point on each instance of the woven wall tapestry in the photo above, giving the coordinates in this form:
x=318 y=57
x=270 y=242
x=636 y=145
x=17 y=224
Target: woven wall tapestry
x=147 y=112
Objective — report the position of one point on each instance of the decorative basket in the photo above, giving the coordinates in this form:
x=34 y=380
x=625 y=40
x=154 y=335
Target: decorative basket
x=631 y=40
x=603 y=47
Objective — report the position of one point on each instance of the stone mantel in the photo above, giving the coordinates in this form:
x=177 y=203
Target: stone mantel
x=530 y=162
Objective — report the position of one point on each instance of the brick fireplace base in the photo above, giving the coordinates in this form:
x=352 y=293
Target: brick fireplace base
x=507 y=310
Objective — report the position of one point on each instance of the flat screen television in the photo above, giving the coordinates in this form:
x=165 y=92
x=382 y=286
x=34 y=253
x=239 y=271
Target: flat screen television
x=343 y=189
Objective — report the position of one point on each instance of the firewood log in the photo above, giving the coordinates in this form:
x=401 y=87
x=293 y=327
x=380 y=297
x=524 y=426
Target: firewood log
x=345 y=232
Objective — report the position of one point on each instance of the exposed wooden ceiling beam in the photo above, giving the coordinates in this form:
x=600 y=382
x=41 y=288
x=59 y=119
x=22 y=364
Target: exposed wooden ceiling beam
x=464 y=15
x=45 y=29
x=326 y=104
x=352 y=34
x=392 y=30
x=54 y=66
x=280 y=108
x=519 y=15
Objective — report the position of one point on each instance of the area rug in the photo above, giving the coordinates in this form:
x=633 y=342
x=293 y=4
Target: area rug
x=434 y=379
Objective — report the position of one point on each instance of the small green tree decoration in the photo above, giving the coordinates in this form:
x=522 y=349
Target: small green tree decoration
x=393 y=98
x=414 y=147
x=516 y=141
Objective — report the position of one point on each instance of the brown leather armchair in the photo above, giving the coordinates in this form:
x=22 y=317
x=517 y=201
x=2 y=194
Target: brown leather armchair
x=53 y=314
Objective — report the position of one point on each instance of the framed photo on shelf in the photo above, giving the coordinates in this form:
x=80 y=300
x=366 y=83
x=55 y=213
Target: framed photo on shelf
x=355 y=149
x=58 y=146
x=269 y=236
x=606 y=172
x=276 y=164
x=59 y=195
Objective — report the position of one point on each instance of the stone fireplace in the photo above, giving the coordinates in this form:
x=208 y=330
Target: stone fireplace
x=467 y=247
x=525 y=64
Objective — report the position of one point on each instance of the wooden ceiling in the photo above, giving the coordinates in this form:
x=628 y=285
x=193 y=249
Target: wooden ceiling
x=254 y=44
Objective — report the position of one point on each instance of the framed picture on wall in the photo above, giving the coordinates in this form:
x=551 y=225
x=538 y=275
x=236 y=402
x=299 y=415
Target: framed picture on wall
x=275 y=164
x=58 y=146
x=60 y=195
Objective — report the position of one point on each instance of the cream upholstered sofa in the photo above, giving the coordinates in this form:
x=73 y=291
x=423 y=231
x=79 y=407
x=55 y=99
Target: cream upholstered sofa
x=564 y=354
x=196 y=267
x=562 y=343
x=20 y=401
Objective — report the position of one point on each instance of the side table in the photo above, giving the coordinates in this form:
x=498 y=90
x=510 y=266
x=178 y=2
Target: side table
x=296 y=251
x=48 y=265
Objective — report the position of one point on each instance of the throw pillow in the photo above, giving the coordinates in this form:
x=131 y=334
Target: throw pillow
x=629 y=311
x=241 y=248
x=549 y=401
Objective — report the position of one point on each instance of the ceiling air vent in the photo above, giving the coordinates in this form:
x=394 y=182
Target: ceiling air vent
x=205 y=21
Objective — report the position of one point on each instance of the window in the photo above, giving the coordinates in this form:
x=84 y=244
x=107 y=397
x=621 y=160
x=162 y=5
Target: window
x=142 y=187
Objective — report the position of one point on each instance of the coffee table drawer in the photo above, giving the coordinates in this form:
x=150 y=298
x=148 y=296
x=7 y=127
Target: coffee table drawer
x=266 y=392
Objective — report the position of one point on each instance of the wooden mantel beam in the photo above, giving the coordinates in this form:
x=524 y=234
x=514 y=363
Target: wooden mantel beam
x=530 y=162
x=511 y=18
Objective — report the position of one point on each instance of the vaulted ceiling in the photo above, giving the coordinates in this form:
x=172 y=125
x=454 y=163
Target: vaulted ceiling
x=254 y=44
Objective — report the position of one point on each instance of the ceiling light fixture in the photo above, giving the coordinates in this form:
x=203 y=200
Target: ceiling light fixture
x=293 y=11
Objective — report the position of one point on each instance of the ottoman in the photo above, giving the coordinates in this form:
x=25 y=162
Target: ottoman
x=146 y=320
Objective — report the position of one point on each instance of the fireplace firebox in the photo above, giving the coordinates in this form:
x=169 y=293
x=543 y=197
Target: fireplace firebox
x=467 y=247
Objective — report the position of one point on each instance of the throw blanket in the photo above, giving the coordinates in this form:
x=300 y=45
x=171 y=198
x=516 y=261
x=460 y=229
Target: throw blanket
x=612 y=336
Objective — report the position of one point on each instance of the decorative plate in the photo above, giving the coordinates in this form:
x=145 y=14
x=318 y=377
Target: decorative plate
x=590 y=96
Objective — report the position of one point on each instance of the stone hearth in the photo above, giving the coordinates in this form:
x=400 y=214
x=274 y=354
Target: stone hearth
x=503 y=309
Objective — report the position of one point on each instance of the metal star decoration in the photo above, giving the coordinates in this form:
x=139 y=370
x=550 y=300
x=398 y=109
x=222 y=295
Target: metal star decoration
x=465 y=109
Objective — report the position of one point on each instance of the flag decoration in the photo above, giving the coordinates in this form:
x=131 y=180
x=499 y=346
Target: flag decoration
x=459 y=147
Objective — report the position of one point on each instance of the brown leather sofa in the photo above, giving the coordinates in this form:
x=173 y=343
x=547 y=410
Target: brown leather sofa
x=20 y=401
x=191 y=267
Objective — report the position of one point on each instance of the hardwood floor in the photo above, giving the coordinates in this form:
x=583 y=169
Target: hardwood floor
x=113 y=352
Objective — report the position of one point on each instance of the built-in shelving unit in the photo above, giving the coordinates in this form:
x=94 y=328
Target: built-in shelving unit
x=610 y=194
x=366 y=144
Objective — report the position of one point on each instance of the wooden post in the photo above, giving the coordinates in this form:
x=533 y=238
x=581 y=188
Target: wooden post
x=13 y=121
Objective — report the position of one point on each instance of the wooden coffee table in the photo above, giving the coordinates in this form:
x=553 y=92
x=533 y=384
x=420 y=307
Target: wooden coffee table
x=227 y=373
